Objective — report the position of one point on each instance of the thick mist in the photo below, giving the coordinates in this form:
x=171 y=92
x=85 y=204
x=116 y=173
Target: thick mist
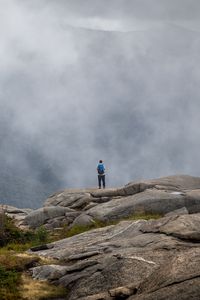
x=81 y=83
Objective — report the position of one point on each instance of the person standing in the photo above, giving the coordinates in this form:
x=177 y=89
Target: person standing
x=101 y=174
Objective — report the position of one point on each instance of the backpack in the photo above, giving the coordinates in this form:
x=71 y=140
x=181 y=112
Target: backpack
x=101 y=169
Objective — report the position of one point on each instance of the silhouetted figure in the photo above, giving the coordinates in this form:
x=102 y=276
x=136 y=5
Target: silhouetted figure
x=101 y=174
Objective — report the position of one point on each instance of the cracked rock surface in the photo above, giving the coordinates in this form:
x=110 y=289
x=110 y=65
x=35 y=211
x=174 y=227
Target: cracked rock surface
x=131 y=260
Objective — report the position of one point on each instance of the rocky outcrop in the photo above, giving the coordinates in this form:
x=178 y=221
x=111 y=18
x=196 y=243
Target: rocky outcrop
x=155 y=259
x=48 y=215
x=86 y=206
x=131 y=260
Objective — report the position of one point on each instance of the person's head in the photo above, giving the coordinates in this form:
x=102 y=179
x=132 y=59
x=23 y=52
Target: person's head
x=100 y=161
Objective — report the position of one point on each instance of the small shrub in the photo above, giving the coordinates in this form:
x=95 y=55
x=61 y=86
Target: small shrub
x=8 y=279
x=8 y=230
x=41 y=235
x=9 y=283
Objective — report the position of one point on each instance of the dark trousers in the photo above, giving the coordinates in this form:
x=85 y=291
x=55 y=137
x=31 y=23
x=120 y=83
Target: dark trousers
x=101 y=178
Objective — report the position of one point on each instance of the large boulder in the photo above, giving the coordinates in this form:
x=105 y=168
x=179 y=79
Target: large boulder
x=184 y=226
x=179 y=278
x=151 y=201
x=175 y=182
x=40 y=216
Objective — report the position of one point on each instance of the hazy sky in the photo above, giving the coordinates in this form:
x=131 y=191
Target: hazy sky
x=80 y=81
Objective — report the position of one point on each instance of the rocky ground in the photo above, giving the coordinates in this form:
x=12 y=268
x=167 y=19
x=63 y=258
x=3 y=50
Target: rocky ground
x=154 y=259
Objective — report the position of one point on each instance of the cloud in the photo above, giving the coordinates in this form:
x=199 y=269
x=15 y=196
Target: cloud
x=141 y=9
x=122 y=88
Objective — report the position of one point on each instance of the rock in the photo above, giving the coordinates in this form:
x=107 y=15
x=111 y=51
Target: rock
x=180 y=211
x=100 y=296
x=102 y=199
x=147 y=202
x=17 y=214
x=128 y=260
x=40 y=216
x=90 y=205
x=122 y=292
x=68 y=197
x=14 y=210
x=65 y=248
x=178 y=279
x=108 y=193
x=48 y=272
x=193 y=201
x=186 y=227
x=189 y=289
x=193 y=194
x=176 y=183
x=81 y=203
x=83 y=220
x=56 y=223
x=40 y=247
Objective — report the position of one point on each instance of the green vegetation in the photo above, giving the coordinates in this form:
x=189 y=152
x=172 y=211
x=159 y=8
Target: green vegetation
x=9 y=232
x=11 y=235
x=9 y=282
x=14 y=284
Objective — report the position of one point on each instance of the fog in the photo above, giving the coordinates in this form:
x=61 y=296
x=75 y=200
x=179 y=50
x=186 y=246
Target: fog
x=112 y=80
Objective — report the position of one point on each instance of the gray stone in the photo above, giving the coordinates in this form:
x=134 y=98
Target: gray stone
x=68 y=197
x=83 y=220
x=48 y=272
x=175 y=279
x=17 y=214
x=189 y=289
x=180 y=211
x=40 y=216
x=82 y=202
x=108 y=193
x=185 y=227
x=14 y=210
x=102 y=199
x=150 y=201
x=176 y=182
x=90 y=205
x=54 y=223
x=138 y=251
